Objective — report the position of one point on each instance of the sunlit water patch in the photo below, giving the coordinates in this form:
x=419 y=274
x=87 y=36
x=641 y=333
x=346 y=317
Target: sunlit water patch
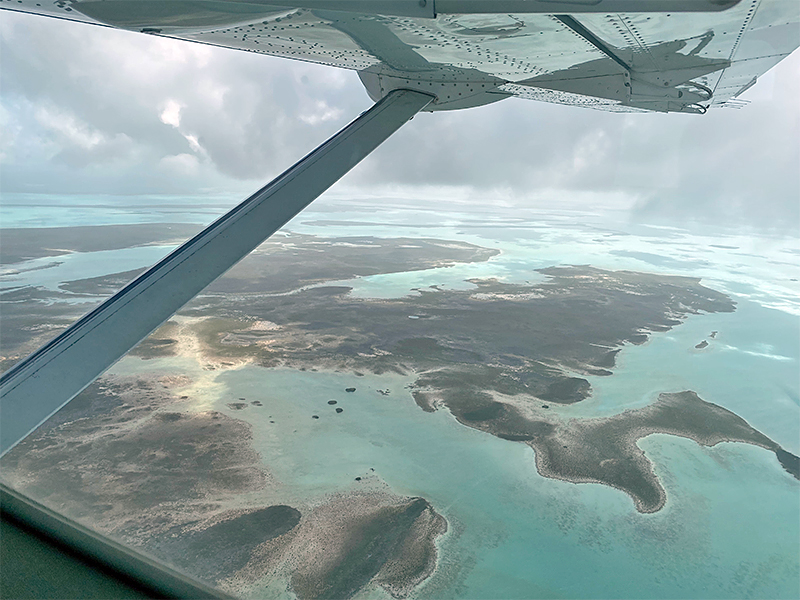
x=504 y=267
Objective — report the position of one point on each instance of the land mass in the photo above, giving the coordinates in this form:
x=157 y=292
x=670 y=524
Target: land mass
x=20 y=244
x=287 y=262
x=498 y=357
x=128 y=459
x=604 y=450
x=464 y=345
x=130 y=456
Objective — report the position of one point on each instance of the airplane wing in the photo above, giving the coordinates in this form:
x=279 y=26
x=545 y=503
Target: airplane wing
x=614 y=55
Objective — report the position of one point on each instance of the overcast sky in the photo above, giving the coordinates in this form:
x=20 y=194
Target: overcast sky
x=92 y=110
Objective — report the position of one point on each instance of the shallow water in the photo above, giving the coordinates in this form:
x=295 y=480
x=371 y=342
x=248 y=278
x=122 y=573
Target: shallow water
x=731 y=525
x=51 y=271
x=751 y=368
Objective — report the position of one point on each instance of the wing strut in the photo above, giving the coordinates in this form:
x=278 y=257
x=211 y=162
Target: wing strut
x=46 y=380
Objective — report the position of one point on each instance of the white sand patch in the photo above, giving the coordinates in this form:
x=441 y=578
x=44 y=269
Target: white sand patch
x=264 y=326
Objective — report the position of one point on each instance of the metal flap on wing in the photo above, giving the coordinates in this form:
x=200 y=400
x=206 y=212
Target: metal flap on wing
x=550 y=7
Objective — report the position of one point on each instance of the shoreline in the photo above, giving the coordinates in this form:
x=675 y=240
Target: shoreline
x=567 y=466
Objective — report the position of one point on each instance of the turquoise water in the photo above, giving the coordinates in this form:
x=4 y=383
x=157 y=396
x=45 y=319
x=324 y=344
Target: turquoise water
x=731 y=525
x=51 y=271
x=37 y=210
x=730 y=528
x=750 y=368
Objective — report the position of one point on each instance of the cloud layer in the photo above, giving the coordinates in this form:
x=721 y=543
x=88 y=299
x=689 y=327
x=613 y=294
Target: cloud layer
x=93 y=110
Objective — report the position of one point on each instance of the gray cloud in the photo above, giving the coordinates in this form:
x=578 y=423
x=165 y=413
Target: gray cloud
x=88 y=109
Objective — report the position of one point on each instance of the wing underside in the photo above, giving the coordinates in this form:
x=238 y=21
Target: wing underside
x=654 y=61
